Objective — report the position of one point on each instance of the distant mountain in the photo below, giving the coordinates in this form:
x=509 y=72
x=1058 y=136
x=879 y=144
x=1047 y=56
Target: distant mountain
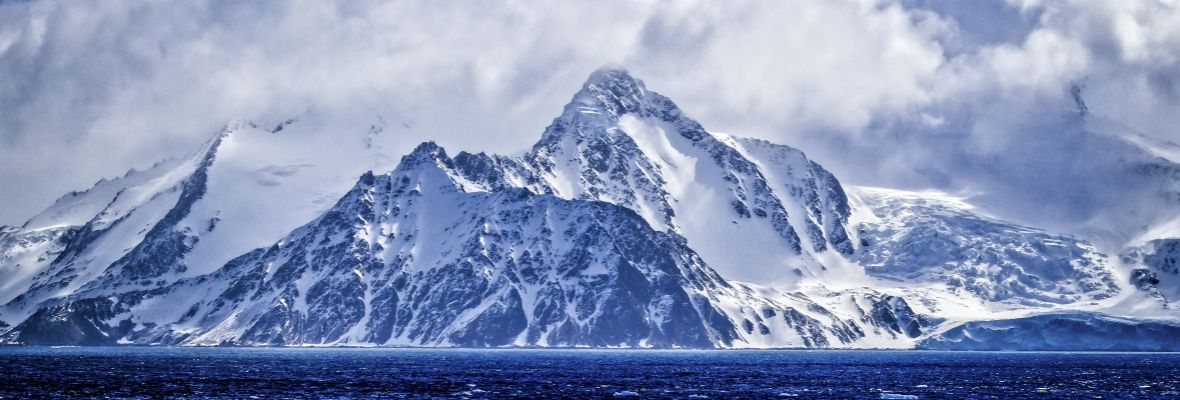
x=921 y=239
x=182 y=217
x=627 y=225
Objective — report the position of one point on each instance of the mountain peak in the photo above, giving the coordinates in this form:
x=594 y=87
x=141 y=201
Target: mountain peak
x=611 y=74
x=428 y=149
x=426 y=153
x=607 y=96
x=612 y=91
x=208 y=151
x=234 y=125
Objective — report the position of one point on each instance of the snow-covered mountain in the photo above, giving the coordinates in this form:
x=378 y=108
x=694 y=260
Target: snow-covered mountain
x=182 y=217
x=627 y=225
x=753 y=210
x=424 y=256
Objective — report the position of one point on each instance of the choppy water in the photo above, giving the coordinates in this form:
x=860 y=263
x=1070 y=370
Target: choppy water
x=451 y=373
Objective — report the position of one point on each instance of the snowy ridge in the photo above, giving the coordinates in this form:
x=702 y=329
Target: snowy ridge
x=627 y=225
x=77 y=208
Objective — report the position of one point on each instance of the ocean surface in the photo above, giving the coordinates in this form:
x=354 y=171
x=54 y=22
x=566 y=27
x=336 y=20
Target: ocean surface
x=156 y=372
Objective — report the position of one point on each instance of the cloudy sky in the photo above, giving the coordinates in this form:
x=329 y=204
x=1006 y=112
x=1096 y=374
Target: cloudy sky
x=967 y=96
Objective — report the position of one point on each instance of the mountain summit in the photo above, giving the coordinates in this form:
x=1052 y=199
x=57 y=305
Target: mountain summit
x=619 y=142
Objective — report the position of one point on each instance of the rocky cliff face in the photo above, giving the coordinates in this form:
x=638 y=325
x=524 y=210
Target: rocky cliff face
x=1156 y=268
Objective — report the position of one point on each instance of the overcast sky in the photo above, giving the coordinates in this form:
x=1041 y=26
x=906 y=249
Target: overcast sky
x=910 y=93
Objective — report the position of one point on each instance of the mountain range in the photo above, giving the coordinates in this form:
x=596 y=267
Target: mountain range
x=628 y=224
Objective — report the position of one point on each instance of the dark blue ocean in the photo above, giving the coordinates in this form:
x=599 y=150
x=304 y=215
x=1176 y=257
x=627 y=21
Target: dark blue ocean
x=143 y=372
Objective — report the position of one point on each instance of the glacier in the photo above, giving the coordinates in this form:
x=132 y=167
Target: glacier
x=628 y=224
x=1060 y=332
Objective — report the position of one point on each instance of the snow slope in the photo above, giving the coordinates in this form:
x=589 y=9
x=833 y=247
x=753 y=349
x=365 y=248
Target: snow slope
x=917 y=239
x=182 y=217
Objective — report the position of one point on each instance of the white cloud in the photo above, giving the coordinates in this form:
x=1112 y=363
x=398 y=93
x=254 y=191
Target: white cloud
x=93 y=88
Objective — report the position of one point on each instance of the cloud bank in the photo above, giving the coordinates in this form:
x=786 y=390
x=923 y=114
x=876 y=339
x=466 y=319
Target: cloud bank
x=961 y=95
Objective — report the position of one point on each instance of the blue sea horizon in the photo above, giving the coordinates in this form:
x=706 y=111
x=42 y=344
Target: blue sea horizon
x=356 y=372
